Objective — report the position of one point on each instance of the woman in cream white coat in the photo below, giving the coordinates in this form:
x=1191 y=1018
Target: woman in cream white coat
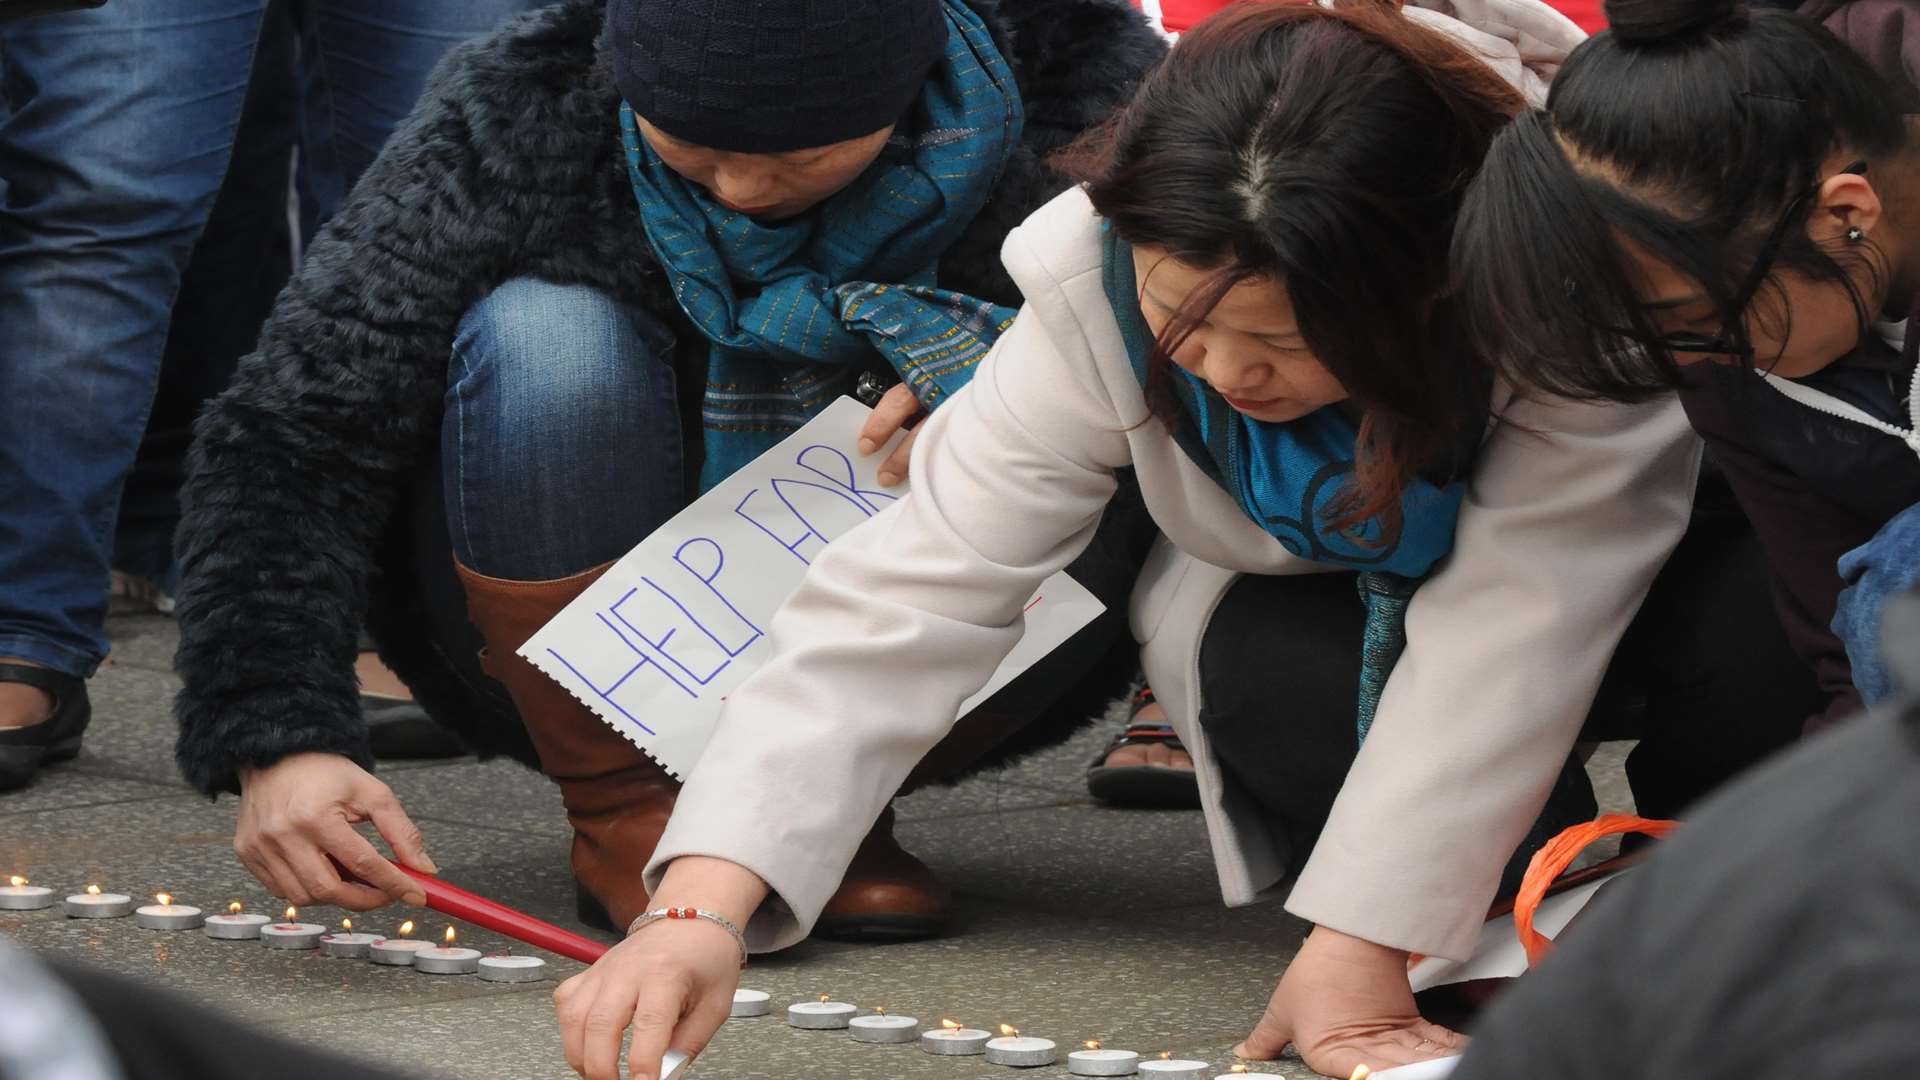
x=1208 y=311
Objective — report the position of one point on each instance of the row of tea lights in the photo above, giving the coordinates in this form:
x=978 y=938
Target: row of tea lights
x=238 y=924
x=952 y=1039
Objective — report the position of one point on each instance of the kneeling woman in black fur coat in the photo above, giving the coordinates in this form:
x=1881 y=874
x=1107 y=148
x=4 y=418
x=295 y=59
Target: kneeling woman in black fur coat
x=496 y=353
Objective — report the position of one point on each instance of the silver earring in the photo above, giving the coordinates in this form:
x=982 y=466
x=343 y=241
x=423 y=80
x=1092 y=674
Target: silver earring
x=1855 y=234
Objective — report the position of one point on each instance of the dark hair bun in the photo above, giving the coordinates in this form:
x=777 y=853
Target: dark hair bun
x=1670 y=22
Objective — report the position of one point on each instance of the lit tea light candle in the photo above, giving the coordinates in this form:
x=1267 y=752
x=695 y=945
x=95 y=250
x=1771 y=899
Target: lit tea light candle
x=751 y=1003
x=291 y=934
x=448 y=959
x=397 y=951
x=237 y=924
x=1095 y=1060
x=881 y=1028
x=94 y=904
x=951 y=1039
x=164 y=914
x=1168 y=1067
x=822 y=1015
x=22 y=895
x=512 y=969
x=347 y=943
x=1020 y=1051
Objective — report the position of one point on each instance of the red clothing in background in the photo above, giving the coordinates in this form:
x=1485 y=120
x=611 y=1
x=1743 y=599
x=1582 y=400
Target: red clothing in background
x=1179 y=16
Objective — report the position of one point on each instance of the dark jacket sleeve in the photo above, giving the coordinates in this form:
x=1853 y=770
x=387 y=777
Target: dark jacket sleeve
x=1078 y=61
x=296 y=468
x=1804 y=535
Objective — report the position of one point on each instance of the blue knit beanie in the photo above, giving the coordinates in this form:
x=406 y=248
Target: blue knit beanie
x=769 y=76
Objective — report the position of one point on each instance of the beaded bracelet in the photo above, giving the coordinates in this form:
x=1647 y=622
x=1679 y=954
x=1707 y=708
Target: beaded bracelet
x=647 y=918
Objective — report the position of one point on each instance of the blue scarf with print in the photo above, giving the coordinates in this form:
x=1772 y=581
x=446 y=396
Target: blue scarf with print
x=793 y=309
x=1285 y=476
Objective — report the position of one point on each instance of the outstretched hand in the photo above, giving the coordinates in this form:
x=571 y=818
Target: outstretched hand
x=1345 y=1002
x=295 y=833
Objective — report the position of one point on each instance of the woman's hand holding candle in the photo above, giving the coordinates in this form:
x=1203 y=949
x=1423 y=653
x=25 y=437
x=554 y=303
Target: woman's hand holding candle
x=673 y=980
x=296 y=821
x=1345 y=1002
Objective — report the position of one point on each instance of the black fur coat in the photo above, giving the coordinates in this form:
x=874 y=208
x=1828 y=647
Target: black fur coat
x=303 y=471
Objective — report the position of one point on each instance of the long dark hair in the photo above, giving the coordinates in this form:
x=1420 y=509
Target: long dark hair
x=1688 y=129
x=1327 y=149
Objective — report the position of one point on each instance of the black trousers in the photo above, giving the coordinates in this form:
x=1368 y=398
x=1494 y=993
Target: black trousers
x=1703 y=677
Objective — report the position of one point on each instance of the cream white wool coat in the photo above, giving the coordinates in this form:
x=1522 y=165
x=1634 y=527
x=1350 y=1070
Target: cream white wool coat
x=1570 y=512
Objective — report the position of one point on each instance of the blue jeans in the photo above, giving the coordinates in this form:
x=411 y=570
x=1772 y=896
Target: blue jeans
x=561 y=446
x=116 y=128
x=1883 y=567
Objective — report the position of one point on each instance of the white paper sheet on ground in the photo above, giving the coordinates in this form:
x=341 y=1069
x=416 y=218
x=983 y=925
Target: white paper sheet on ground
x=656 y=645
x=1499 y=955
x=1437 y=1069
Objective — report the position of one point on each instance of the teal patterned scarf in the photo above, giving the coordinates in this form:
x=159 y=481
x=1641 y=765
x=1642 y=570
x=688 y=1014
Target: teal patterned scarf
x=1283 y=476
x=794 y=309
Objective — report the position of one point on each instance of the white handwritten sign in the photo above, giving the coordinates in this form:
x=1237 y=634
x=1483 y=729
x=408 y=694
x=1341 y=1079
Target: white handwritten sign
x=655 y=646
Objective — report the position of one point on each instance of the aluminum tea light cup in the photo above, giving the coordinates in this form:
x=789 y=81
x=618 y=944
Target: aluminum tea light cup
x=235 y=924
x=512 y=969
x=1096 y=1060
x=1021 y=1051
x=750 y=1003
x=291 y=934
x=822 y=1015
x=398 y=951
x=448 y=959
x=164 y=914
x=22 y=895
x=94 y=904
x=881 y=1028
x=951 y=1039
x=348 y=944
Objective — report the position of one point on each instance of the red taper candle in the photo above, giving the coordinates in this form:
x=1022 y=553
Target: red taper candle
x=518 y=925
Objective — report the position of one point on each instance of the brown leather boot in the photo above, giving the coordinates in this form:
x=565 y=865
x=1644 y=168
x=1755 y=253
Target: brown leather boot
x=617 y=799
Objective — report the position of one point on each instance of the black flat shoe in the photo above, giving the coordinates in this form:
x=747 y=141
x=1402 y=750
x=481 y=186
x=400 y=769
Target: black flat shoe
x=57 y=738
x=402 y=731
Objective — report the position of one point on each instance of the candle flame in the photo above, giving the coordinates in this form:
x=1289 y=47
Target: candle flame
x=1360 y=1072
x=406 y=928
x=93 y=890
x=346 y=924
x=1093 y=1044
x=950 y=1025
x=18 y=881
x=450 y=935
x=1166 y=1055
x=1239 y=1068
x=880 y=1009
x=292 y=912
x=823 y=999
x=163 y=898
x=235 y=907
x=1009 y=1029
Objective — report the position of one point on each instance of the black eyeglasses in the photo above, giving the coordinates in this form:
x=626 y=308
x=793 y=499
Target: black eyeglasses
x=1730 y=341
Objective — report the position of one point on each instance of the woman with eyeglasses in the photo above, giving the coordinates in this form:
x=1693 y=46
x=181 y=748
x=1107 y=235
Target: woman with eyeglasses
x=1725 y=202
